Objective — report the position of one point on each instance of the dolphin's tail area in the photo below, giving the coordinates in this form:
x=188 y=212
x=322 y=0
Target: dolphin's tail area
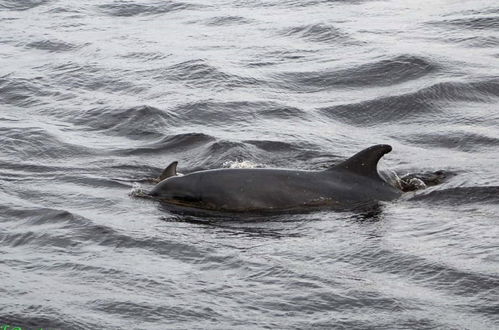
x=365 y=162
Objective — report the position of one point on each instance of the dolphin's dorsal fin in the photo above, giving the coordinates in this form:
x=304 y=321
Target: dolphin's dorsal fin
x=170 y=170
x=365 y=162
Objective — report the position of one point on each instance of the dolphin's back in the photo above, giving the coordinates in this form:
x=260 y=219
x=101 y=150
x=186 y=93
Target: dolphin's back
x=354 y=180
x=254 y=189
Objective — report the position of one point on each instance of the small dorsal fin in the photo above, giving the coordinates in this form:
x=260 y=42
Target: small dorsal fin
x=366 y=161
x=170 y=170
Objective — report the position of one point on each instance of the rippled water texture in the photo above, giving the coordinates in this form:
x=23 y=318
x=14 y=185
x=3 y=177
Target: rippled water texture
x=97 y=97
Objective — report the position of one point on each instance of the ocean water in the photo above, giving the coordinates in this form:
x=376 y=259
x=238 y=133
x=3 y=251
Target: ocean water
x=96 y=98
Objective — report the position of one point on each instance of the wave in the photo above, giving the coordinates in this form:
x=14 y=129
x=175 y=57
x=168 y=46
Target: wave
x=54 y=229
x=90 y=77
x=212 y=113
x=290 y=3
x=140 y=122
x=51 y=45
x=21 y=5
x=381 y=73
x=465 y=141
x=476 y=41
x=129 y=8
x=411 y=105
x=318 y=33
x=32 y=143
x=461 y=195
x=182 y=143
x=146 y=56
x=227 y=20
x=36 y=317
x=198 y=73
x=20 y=91
x=422 y=272
x=472 y=23
x=271 y=153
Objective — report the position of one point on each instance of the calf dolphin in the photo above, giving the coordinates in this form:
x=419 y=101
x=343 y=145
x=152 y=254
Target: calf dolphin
x=356 y=180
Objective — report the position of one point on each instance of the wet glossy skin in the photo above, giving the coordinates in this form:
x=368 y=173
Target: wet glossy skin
x=274 y=189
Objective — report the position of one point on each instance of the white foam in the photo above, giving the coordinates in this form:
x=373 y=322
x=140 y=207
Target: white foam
x=240 y=164
x=137 y=190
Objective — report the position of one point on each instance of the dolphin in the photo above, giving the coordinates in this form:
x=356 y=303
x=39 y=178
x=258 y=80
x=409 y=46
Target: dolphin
x=352 y=182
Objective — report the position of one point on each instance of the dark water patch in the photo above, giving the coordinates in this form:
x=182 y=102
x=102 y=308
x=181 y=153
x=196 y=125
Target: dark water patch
x=31 y=238
x=198 y=73
x=465 y=141
x=227 y=20
x=31 y=143
x=129 y=8
x=91 y=77
x=318 y=33
x=381 y=73
x=146 y=56
x=39 y=317
x=21 y=92
x=386 y=109
x=473 y=23
x=274 y=146
x=140 y=122
x=412 y=105
x=174 y=144
x=281 y=56
x=214 y=113
x=154 y=313
x=21 y=4
x=461 y=195
x=63 y=10
x=51 y=45
x=278 y=111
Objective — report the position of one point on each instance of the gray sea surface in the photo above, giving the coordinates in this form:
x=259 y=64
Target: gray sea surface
x=97 y=97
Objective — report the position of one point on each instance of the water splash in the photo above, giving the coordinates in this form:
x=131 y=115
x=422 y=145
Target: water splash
x=137 y=191
x=240 y=164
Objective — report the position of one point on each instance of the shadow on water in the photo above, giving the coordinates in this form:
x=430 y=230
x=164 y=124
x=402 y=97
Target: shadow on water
x=274 y=225
x=366 y=211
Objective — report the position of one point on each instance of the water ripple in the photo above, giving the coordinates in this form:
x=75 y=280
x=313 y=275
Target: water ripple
x=128 y=8
x=318 y=33
x=199 y=73
x=415 y=104
x=21 y=5
x=380 y=73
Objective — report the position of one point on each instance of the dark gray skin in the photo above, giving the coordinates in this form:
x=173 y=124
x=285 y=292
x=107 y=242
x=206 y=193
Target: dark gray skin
x=355 y=180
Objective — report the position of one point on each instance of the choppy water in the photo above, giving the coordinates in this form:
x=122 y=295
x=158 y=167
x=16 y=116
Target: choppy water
x=98 y=97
